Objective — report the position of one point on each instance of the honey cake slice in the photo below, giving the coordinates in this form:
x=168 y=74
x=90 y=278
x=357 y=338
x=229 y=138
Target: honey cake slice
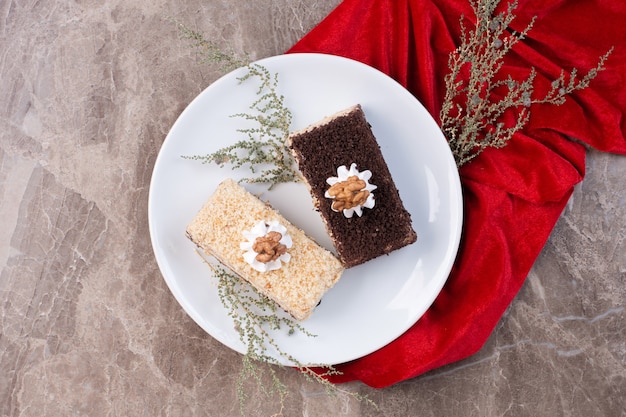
x=351 y=186
x=257 y=243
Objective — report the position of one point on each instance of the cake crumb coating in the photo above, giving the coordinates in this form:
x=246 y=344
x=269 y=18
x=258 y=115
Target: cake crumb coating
x=298 y=285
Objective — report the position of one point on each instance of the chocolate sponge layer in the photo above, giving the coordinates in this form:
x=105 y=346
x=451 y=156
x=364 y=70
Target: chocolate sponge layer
x=342 y=139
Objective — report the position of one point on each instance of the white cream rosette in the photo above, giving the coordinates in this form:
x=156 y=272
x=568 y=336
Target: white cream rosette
x=343 y=174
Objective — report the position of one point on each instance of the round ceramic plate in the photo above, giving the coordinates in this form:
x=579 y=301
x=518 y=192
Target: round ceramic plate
x=372 y=304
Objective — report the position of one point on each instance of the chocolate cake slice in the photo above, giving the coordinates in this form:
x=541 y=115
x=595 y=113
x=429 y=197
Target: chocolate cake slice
x=351 y=186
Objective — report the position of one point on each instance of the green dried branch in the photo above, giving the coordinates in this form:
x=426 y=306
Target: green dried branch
x=254 y=316
x=481 y=109
x=210 y=52
x=263 y=150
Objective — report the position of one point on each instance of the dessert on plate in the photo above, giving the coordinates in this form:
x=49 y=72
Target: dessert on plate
x=351 y=186
x=257 y=243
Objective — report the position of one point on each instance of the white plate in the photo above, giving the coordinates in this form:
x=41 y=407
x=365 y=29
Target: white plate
x=373 y=303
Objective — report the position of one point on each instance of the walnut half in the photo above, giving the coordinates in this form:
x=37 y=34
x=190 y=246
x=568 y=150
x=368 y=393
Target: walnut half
x=268 y=247
x=349 y=193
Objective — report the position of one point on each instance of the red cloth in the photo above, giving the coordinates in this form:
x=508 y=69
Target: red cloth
x=513 y=196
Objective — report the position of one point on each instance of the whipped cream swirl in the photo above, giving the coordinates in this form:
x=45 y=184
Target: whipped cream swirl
x=343 y=175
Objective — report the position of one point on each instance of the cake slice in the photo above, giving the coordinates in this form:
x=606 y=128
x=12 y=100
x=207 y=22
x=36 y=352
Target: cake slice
x=351 y=186
x=261 y=246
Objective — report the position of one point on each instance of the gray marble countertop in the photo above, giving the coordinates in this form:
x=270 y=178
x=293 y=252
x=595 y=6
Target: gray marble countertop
x=88 y=327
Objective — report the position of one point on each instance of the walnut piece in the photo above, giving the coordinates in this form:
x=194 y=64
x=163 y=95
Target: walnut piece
x=268 y=247
x=348 y=194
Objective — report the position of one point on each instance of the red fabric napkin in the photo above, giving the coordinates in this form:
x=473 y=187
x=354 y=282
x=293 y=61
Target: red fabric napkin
x=513 y=196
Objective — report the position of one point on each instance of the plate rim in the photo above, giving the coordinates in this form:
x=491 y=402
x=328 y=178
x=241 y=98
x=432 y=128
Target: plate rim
x=459 y=207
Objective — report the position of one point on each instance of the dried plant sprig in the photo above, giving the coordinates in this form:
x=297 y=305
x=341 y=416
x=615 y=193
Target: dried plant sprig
x=254 y=315
x=482 y=109
x=263 y=150
x=210 y=52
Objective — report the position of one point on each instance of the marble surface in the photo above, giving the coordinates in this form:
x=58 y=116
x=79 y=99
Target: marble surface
x=88 y=91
